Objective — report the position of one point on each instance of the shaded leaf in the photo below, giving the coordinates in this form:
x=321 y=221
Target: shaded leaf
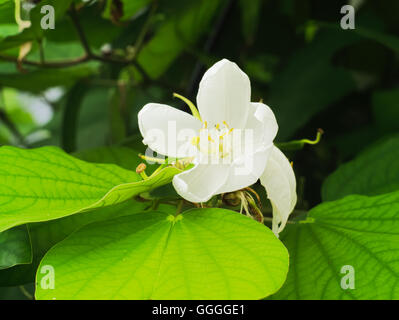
x=373 y=172
x=15 y=247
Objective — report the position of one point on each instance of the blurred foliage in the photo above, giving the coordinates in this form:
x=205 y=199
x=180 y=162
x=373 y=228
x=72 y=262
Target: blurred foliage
x=82 y=84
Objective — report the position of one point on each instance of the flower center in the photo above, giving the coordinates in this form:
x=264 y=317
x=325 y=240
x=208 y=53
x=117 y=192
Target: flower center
x=216 y=141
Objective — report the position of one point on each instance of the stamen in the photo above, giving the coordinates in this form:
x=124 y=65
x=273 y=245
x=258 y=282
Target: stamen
x=195 y=140
x=225 y=123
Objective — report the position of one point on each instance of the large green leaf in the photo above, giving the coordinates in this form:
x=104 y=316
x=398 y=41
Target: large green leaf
x=201 y=254
x=45 y=184
x=15 y=247
x=375 y=171
x=358 y=231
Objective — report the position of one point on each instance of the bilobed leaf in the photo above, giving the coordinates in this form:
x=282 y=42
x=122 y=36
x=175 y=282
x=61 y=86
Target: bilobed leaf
x=358 y=231
x=375 y=171
x=15 y=247
x=202 y=253
x=45 y=184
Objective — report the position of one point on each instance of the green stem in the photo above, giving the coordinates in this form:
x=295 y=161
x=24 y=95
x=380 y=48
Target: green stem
x=179 y=207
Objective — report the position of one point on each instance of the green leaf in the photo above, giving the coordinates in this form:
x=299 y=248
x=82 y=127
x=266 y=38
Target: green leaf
x=203 y=253
x=70 y=116
x=35 y=32
x=176 y=34
x=357 y=231
x=312 y=81
x=127 y=10
x=15 y=247
x=45 y=184
x=386 y=110
x=44 y=235
x=250 y=14
x=121 y=156
x=373 y=172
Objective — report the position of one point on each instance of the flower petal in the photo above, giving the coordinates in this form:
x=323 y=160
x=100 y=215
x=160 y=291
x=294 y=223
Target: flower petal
x=224 y=95
x=246 y=170
x=168 y=130
x=279 y=181
x=261 y=119
x=200 y=183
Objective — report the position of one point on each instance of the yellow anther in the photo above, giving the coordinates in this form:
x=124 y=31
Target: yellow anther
x=225 y=123
x=210 y=139
x=205 y=124
x=195 y=141
x=292 y=164
x=218 y=126
x=141 y=167
x=141 y=170
x=231 y=130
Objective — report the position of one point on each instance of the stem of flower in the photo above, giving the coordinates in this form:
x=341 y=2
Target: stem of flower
x=179 y=207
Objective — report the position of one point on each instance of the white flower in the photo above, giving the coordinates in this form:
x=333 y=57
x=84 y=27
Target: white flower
x=230 y=145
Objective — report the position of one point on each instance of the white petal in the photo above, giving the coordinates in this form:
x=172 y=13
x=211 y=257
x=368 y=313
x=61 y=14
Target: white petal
x=224 y=95
x=200 y=183
x=279 y=181
x=167 y=130
x=261 y=119
x=246 y=170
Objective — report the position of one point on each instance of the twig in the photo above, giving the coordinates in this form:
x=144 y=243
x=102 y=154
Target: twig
x=55 y=64
x=144 y=30
x=79 y=29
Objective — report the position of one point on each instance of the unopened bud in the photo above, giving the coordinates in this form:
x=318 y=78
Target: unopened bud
x=231 y=199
